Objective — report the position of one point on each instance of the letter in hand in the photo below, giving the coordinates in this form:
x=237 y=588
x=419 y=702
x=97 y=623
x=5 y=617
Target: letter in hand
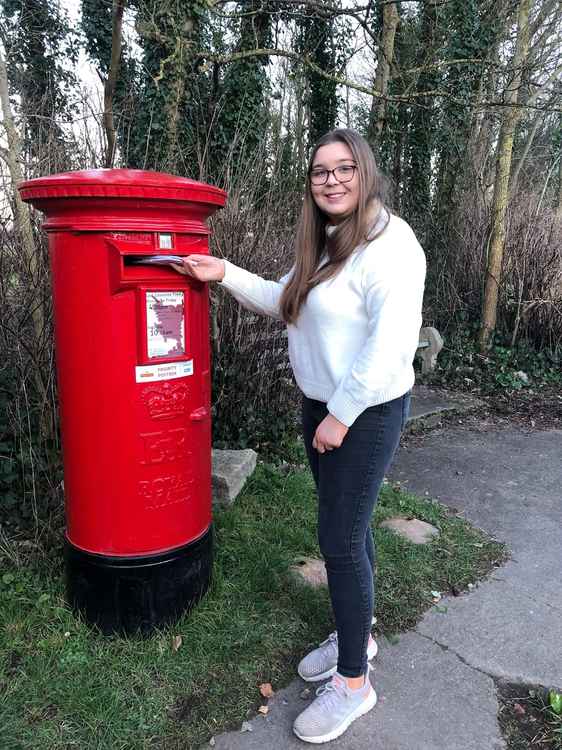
x=329 y=434
x=201 y=267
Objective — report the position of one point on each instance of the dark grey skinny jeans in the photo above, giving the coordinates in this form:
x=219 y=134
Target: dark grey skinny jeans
x=348 y=480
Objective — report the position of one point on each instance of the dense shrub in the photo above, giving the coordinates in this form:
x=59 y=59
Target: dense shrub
x=530 y=300
x=254 y=396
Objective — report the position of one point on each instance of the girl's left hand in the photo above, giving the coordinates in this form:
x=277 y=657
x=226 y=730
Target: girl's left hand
x=329 y=434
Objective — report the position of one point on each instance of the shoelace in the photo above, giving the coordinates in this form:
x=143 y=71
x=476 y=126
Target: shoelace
x=338 y=685
x=332 y=639
x=334 y=686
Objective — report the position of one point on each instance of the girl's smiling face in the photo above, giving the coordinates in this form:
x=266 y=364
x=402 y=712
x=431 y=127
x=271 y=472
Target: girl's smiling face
x=335 y=199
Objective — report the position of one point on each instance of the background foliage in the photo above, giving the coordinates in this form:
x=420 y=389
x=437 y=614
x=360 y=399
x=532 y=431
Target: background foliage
x=235 y=93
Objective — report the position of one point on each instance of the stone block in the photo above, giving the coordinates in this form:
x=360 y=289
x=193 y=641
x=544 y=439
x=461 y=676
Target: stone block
x=230 y=471
x=412 y=529
x=310 y=570
x=430 y=344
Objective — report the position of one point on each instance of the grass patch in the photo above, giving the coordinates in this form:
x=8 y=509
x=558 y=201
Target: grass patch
x=63 y=686
x=407 y=574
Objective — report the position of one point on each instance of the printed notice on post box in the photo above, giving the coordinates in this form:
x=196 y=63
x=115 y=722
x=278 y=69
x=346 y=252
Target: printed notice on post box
x=165 y=324
x=163 y=371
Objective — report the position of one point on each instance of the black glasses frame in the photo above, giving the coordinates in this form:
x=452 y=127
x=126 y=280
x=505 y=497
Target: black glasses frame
x=334 y=172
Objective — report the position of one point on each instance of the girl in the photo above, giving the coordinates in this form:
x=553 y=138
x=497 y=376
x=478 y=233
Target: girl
x=352 y=303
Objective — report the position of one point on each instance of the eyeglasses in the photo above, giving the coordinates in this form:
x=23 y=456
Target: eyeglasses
x=345 y=173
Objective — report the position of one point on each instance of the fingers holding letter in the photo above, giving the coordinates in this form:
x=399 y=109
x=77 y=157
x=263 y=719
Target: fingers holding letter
x=201 y=267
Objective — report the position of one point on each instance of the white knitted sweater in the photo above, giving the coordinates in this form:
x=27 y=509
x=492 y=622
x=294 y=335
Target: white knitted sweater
x=356 y=335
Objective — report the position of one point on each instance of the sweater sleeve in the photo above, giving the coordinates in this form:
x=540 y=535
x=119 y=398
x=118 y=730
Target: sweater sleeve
x=253 y=292
x=393 y=301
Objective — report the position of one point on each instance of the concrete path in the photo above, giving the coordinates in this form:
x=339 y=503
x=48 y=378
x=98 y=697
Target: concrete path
x=429 y=404
x=436 y=684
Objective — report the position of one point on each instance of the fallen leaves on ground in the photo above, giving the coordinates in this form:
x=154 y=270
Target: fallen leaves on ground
x=266 y=690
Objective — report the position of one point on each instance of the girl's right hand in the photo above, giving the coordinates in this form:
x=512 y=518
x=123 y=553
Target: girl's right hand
x=201 y=267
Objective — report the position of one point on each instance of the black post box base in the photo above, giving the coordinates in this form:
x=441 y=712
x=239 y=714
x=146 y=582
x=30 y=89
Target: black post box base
x=129 y=595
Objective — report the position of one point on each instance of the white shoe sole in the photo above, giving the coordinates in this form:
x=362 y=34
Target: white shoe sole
x=361 y=710
x=371 y=653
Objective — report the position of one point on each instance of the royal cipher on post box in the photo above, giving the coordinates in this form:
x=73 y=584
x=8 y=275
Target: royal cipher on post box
x=132 y=352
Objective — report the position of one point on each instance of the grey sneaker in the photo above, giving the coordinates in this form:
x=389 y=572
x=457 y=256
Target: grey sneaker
x=323 y=661
x=333 y=710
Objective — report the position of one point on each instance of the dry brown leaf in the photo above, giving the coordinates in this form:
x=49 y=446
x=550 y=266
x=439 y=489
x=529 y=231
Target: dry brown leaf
x=263 y=710
x=176 y=642
x=266 y=690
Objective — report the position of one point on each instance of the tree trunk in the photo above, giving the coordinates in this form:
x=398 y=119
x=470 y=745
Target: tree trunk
x=109 y=89
x=22 y=223
x=559 y=206
x=22 y=218
x=511 y=114
x=299 y=125
x=386 y=53
x=528 y=143
x=398 y=154
x=481 y=140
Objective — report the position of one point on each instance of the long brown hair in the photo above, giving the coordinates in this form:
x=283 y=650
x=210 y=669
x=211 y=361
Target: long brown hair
x=311 y=237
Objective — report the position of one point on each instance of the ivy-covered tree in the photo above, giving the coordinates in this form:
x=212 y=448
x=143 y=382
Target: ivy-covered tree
x=390 y=139
x=423 y=133
x=162 y=132
x=471 y=31
x=384 y=24
x=240 y=115
x=40 y=48
x=315 y=42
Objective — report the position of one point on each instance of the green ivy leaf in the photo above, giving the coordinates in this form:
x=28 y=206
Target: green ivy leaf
x=555 y=701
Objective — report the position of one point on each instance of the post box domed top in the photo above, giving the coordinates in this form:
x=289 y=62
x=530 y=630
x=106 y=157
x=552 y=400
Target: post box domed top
x=121 y=183
x=133 y=199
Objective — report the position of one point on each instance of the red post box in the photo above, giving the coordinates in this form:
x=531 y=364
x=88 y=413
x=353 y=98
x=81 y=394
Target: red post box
x=133 y=368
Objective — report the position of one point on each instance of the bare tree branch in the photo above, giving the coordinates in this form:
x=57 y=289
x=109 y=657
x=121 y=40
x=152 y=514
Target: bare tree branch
x=223 y=59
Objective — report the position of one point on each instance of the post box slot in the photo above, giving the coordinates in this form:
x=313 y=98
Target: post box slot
x=158 y=259
x=130 y=265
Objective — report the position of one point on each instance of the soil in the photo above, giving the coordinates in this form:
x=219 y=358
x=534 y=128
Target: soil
x=524 y=721
x=529 y=410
